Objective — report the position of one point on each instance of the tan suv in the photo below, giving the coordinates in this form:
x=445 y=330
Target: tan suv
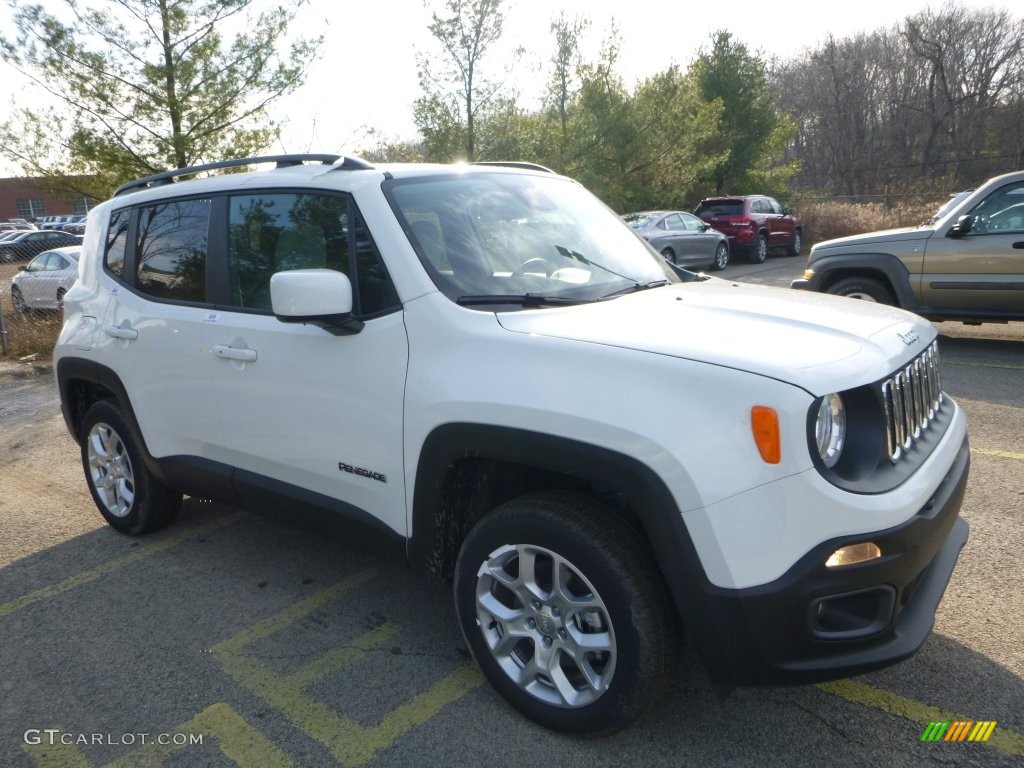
x=964 y=263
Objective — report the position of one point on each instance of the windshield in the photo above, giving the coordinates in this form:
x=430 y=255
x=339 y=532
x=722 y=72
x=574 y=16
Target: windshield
x=485 y=236
x=945 y=208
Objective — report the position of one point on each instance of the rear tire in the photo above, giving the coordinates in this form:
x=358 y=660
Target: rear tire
x=565 y=611
x=863 y=288
x=721 y=258
x=760 y=252
x=126 y=493
x=669 y=255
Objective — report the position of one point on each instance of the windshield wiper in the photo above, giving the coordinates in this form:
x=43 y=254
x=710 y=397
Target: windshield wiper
x=636 y=287
x=522 y=299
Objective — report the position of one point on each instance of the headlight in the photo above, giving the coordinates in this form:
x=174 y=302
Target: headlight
x=830 y=429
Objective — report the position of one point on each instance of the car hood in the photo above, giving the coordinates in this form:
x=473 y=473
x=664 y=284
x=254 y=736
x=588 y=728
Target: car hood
x=885 y=236
x=819 y=342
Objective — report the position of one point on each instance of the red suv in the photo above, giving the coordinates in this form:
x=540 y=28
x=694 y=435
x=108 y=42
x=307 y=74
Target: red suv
x=753 y=224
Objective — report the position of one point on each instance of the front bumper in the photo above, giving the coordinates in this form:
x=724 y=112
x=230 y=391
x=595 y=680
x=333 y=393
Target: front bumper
x=816 y=623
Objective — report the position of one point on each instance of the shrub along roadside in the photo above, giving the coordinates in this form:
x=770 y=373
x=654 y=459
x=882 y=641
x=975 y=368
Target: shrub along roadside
x=828 y=219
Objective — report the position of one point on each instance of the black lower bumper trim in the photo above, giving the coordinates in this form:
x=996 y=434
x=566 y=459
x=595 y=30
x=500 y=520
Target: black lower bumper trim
x=771 y=634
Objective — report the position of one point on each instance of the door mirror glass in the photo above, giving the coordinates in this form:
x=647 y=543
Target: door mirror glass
x=963 y=225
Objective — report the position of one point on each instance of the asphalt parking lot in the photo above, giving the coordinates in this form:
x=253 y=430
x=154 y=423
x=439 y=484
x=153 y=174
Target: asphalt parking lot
x=232 y=639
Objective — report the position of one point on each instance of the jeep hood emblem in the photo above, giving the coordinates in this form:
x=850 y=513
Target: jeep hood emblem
x=910 y=337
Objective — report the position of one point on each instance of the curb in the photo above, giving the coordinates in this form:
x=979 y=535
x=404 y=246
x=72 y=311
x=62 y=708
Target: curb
x=24 y=370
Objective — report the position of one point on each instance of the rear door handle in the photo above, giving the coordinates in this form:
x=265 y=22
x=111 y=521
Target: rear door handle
x=1019 y=244
x=118 y=332
x=244 y=354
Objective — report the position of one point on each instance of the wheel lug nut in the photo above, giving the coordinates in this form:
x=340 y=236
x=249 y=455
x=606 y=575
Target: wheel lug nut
x=562 y=633
x=536 y=605
x=547 y=641
x=555 y=612
x=531 y=623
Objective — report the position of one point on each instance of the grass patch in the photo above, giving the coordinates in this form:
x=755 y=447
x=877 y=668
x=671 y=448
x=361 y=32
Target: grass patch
x=30 y=333
x=826 y=220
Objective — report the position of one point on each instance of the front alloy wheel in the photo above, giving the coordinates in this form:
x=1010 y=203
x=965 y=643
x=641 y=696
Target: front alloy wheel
x=565 y=611
x=545 y=625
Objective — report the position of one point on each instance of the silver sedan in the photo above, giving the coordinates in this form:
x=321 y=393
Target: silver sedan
x=681 y=238
x=42 y=283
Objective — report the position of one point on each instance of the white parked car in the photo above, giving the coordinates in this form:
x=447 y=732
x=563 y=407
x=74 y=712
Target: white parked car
x=42 y=283
x=483 y=368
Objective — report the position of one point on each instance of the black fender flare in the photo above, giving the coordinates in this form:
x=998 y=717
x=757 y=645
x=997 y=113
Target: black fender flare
x=828 y=269
x=605 y=470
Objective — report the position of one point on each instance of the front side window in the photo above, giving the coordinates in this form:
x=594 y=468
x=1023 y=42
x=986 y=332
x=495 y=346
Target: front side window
x=171 y=250
x=270 y=233
x=483 y=237
x=1002 y=212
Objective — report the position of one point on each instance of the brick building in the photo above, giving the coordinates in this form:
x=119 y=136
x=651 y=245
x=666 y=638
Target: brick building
x=23 y=197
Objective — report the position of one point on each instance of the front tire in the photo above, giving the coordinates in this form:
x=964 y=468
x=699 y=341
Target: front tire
x=565 y=612
x=17 y=300
x=794 y=248
x=126 y=493
x=760 y=252
x=863 y=288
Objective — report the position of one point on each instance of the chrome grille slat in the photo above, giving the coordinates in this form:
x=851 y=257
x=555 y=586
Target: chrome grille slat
x=912 y=398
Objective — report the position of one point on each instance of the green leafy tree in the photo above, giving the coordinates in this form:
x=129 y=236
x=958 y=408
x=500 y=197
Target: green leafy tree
x=751 y=133
x=456 y=94
x=146 y=85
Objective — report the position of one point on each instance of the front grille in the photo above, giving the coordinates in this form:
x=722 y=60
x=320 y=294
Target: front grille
x=912 y=398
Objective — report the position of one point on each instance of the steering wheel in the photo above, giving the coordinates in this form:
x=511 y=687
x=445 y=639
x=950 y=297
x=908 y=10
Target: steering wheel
x=536 y=264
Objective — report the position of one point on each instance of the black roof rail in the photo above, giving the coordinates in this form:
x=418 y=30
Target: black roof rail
x=282 y=161
x=515 y=164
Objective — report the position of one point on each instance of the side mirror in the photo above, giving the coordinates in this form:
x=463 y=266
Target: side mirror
x=23 y=267
x=321 y=297
x=704 y=227
x=963 y=226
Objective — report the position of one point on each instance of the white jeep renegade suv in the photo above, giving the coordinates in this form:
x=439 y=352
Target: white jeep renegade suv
x=483 y=367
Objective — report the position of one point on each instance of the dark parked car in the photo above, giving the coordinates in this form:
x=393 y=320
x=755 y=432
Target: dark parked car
x=681 y=238
x=25 y=245
x=753 y=224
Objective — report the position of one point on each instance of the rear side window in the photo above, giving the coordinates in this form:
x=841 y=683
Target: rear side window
x=117 y=239
x=171 y=250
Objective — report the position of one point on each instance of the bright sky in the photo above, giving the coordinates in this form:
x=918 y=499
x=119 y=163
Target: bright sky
x=366 y=75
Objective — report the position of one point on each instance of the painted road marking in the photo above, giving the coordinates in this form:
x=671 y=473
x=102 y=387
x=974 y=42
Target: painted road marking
x=103 y=569
x=985 y=365
x=351 y=743
x=1006 y=741
x=238 y=741
x=1001 y=454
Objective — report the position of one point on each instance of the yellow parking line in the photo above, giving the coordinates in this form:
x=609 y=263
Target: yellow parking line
x=985 y=365
x=1006 y=741
x=103 y=569
x=351 y=743
x=1001 y=454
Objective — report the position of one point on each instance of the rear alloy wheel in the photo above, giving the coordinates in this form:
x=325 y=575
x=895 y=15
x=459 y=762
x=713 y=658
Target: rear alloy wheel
x=565 y=612
x=721 y=258
x=18 y=300
x=127 y=494
x=794 y=248
x=863 y=288
x=760 y=252
x=669 y=254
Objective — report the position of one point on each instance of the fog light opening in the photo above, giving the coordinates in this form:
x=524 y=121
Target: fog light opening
x=853 y=554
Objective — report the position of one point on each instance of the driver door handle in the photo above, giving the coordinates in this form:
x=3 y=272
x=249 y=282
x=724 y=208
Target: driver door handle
x=118 y=332
x=244 y=354
x=1019 y=244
